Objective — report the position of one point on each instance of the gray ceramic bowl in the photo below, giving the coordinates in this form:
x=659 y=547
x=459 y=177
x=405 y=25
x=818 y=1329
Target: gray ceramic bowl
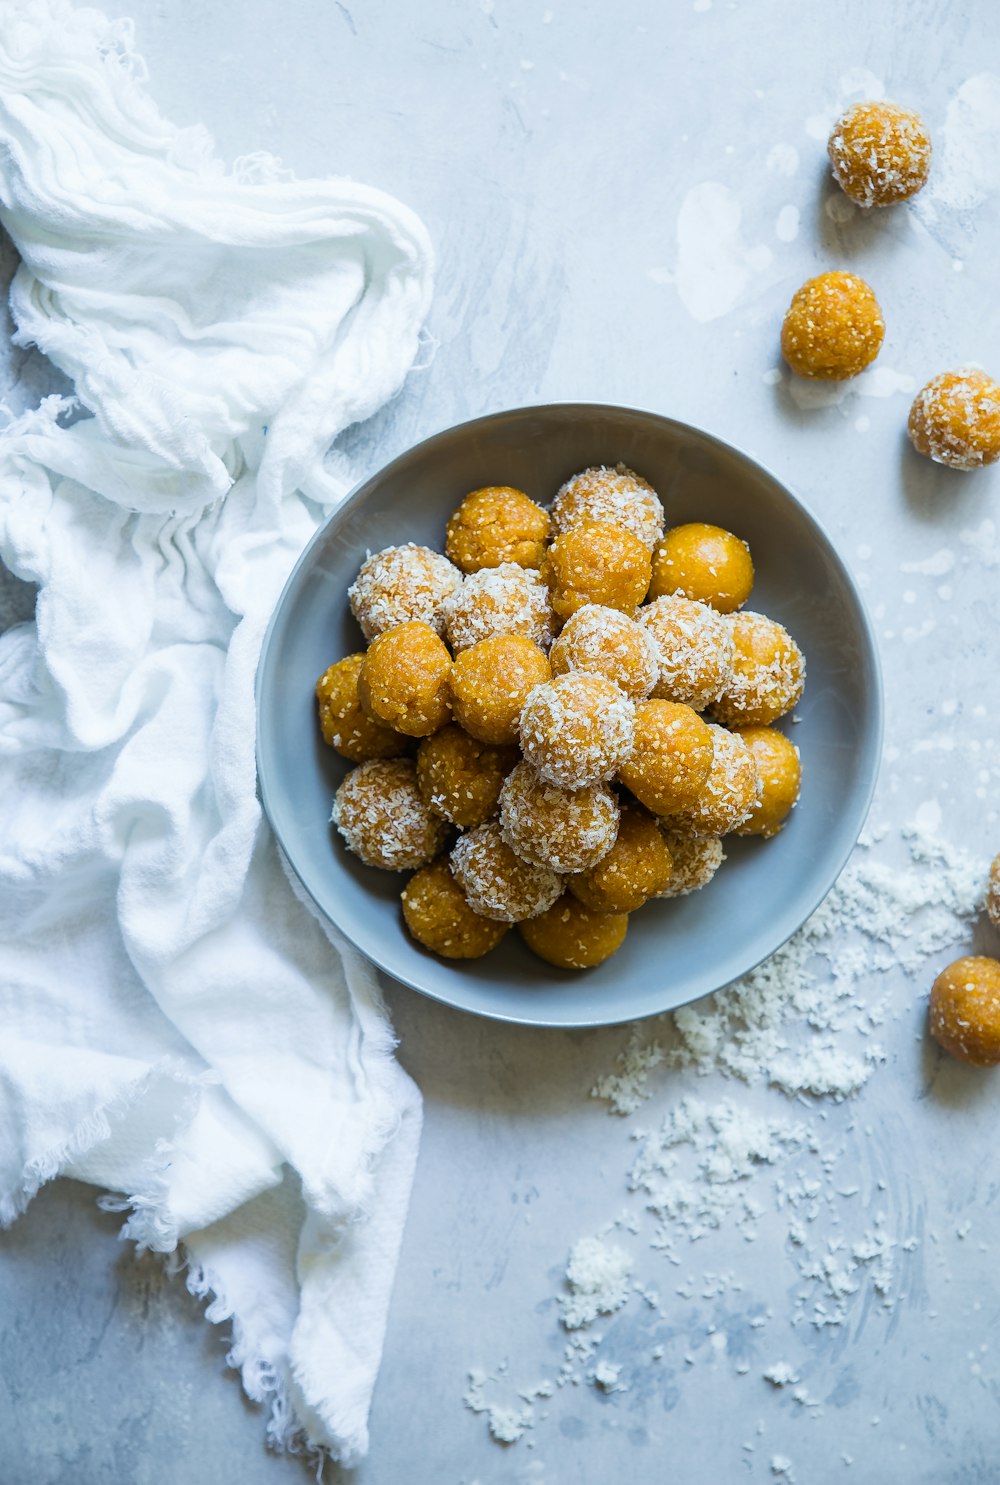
x=675 y=950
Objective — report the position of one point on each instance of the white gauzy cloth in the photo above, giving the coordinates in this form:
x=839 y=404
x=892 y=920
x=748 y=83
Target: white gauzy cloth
x=174 y=1025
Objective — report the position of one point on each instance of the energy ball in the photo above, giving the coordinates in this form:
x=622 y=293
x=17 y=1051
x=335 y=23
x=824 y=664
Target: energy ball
x=577 y=729
x=498 y=600
x=596 y=563
x=637 y=867
x=671 y=757
x=780 y=772
x=768 y=675
x=965 y=1010
x=567 y=830
x=613 y=497
x=438 y=916
x=955 y=419
x=496 y=525
x=696 y=858
x=694 y=649
x=732 y=790
x=833 y=328
x=703 y=562
x=993 y=894
x=459 y=777
x=382 y=818
x=490 y=683
x=605 y=642
x=880 y=153
x=403 y=681
x=400 y=584
x=343 y=723
x=572 y=936
x=497 y=883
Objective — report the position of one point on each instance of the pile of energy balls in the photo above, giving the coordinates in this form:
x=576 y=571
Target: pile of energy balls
x=560 y=718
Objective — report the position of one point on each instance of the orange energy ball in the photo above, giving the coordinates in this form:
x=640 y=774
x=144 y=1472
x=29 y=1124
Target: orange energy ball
x=732 y=790
x=490 y=683
x=498 y=600
x=400 y=584
x=565 y=829
x=596 y=563
x=965 y=1010
x=880 y=153
x=577 y=729
x=343 y=723
x=694 y=649
x=696 y=858
x=705 y=563
x=497 y=883
x=780 y=773
x=459 y=777
x=403 y=681
x=382 y=818
x=637 y=867
x=833 y=328
x=955 y=419
x=671 y=758
x=612 y=497
x=495 y=525
x=572 y=936
x=768 y=676
x=604 y=642
x=438 y=916
x=993 y=894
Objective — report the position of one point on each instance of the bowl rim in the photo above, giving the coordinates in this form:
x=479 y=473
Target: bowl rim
x=877 y=698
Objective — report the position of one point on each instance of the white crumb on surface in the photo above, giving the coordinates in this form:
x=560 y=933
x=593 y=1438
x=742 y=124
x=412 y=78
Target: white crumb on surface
x=780 y=1374
x=597 y=1276
x=607 y=1376
x=506 y=1424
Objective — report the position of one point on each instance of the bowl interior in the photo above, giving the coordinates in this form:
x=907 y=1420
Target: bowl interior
x=676 y=950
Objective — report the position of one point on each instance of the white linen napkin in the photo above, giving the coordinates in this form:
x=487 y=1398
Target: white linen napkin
x=176 y=1027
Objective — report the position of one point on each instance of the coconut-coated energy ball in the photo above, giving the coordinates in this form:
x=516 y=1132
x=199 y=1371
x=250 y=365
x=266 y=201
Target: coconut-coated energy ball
x=703 y=562
x=577 y=729
x=400 y=584
x=382 y=818
x=955 y=419
x=459 y=777
x=833 y=328
x=613 y=497
x=565 y=829
x=490 y=683
x=993 y=893
x=572 y=936
x=670 y=759
x=596 y=563
x=965 y=1010
x=695 y=857
x=637 y=867
x=694 y=649
x=880 y=153
x=438 y=916
x=343 y=722
x=495 y=525
x=768 y=674
x=499 y=600
x=780 y=773
x=403 y=681
x=497 y=883
x=605 y=642
x=731 y=791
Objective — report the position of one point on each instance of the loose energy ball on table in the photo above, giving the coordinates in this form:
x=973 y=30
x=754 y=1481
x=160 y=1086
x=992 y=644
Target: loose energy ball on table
x=955 y=419
x=382 y=818
x=345 y=726
x=596 y=563
x=833 y=328
x=572 y=936
x=694 y=649
x=768 y=674
x=497 y=883
x=612 y=497
x=965 y=1010
x=703 y=562
x=577 y=729
x=780 y=773
x=400 y=584
x=670 y=759
x=459 y=777
x=605 y=642
x=695 y=859
x=495 y=525
x=499 y=600
x=732 y=789
x=993 y=894
x=403 y=681
x=565 y=829
x=637 y=867
x=880 y=153
x=438 y=916
x=490 y=683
